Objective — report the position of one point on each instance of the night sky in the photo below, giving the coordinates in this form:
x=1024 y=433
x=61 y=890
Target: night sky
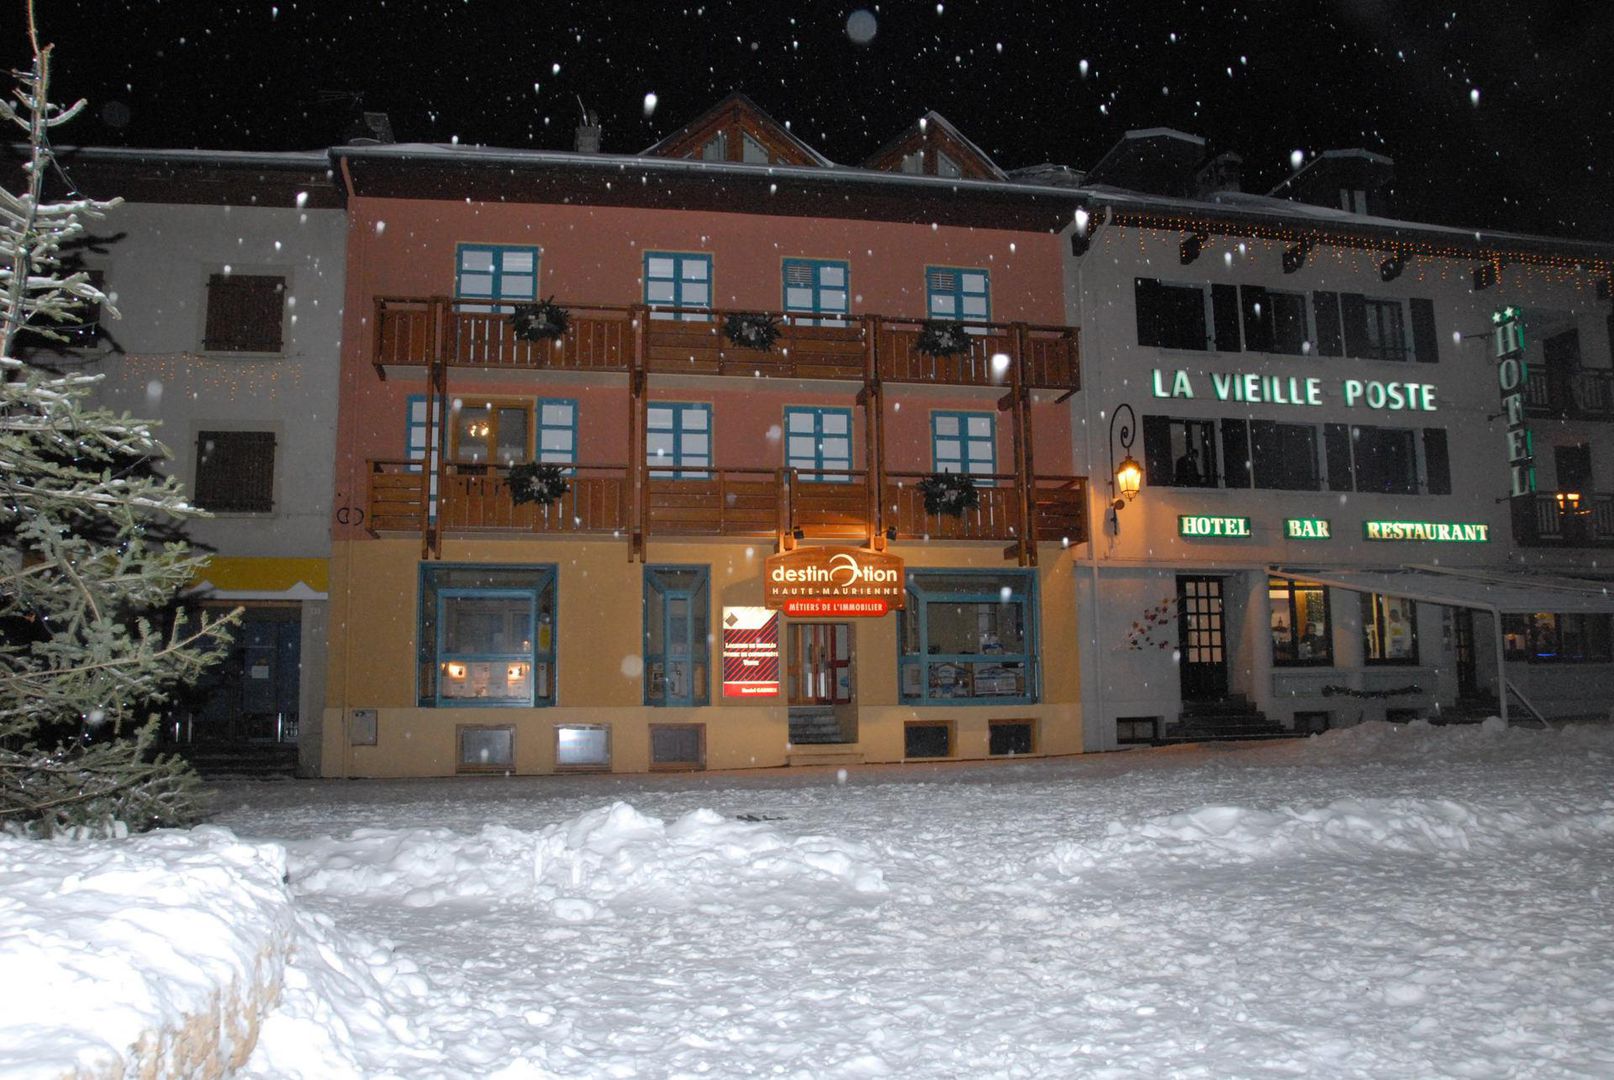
x=1498 y=114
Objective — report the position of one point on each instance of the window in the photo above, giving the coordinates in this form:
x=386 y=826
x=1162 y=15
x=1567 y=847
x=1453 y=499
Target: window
x=678 y=280
x=557 y=431
x=1389 y=629
x=582 y=746
x=487 y=636
x=1385 y=460
x=964 y=442
x=913 y=163
x=1170 y=316
x=495 y=272
x=1283 y=457
x=1302 y=634
x=1009 y=738
x=491 y=432
x=752 y=151
x=818 y=442
x=1290 y=334
x=1132 y=730
x=1549 y=638
x=678 y=441
x=716 y=148
x=819 y=287
x=678 y=746
x=677 y=622
x=946 y=166
x=953 y=292
x=1386 y=335
x=415 y=448
x=969 y=638
x=244 y=313
x=486 y=747
x=927 y=739
x=1179 y=453
x=235 y=472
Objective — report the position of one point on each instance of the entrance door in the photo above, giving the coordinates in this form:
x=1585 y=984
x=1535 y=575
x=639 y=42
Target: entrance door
x=1463 y=642
x=820 y=663
x=1201 y=629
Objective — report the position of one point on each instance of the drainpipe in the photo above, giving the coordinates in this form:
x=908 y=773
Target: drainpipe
x=1087 y=337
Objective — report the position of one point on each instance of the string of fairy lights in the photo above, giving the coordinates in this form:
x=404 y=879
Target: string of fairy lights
x=229 y=378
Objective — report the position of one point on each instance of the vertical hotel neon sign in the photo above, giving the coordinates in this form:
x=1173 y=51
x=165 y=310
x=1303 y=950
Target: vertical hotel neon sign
x=1511 y=377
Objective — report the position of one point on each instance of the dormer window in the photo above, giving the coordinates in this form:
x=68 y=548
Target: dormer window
x=946 y=166
x=1353 y=200
x=717 y=149
x=752 y=151
x=914 y=163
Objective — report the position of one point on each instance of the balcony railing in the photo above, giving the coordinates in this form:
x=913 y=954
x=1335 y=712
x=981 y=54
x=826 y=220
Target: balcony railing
x=1586 y=394
x=476 y=499
x=422 y=331
x=1557 y=520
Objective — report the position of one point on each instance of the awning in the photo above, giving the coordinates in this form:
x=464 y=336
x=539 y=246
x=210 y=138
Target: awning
x=227 y=577
x=1518 y=592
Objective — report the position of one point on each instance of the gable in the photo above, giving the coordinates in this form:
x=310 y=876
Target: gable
x=737 y=130
x=933 y=147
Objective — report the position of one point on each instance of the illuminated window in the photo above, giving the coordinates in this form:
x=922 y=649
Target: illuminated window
x=969 y=638
x=487 y=636
x=1389 y=629
x=1302 y=634
x=1554 y=638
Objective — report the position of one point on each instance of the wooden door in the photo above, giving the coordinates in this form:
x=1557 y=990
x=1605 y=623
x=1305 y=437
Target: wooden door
x=1202 y=633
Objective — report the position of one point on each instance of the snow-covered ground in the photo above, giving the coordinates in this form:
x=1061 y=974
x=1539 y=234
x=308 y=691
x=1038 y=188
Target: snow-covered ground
x=1384 y=901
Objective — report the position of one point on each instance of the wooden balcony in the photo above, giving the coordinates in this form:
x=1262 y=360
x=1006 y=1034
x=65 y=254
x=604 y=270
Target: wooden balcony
x=1573 y=394
x=763 y=503
x=1551 y=519
x=422 y=332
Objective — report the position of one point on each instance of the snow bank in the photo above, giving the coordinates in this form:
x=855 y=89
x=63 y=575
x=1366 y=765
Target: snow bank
x=1419 y=740
x=149 y=956
x=575 y=864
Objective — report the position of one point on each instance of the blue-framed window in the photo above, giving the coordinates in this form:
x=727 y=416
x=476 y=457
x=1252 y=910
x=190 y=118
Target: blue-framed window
x=817 y=287
x=678 y=439
x=818 y=442
x=496 y=272
x=678 y=279
x=957 y=292
x=969 y=638
x=677 y=626
x=487 y=636
x=557 y=430
x=417 y=425
x=964 y=442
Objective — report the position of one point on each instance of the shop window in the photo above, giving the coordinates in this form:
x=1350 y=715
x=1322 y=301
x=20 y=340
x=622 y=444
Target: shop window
x=927 y=739
x=956 y=292
x=817 y=287
x=1179 y=453
x=235 y=472
x=1009 y=738
x=678 y=746
x=1170 y=316
x=498 y=433
x=487 y=636
x=245 y=313
x=969 y=638
x=1136 y=730
x=582 y=746
x=964 y=442
x=818 y=443
x=1389 y=629
x=677 y=625
x=678 y=440
x=494 y=273
x=1302 y=634
x=678 y=280
x=1284 y=456
x=1555 y=638
x=486 y=747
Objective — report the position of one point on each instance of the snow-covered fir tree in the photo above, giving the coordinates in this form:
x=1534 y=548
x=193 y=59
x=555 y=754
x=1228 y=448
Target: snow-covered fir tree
x=91 y=640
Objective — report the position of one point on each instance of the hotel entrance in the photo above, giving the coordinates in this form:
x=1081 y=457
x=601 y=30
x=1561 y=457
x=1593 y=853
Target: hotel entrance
x=1202 y=630
x=818 y=659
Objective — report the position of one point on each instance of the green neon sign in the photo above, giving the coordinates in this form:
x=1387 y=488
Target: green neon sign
x=1307 y=529
x=1197 y=525
x=1436 y=532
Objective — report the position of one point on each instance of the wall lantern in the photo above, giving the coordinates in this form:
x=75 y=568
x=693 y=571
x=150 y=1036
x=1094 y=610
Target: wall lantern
x=1126 y=479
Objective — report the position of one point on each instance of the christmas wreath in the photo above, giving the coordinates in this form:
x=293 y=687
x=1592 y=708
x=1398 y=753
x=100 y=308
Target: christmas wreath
x=539 y=322
x=949 y=493
x=753 y=330
x=532 y=482
x=944 y=338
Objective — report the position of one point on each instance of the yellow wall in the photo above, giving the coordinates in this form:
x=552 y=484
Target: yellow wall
x=599 y=619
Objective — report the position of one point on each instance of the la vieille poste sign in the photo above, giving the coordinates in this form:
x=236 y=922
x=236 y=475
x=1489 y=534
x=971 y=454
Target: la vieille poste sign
x=823 y=581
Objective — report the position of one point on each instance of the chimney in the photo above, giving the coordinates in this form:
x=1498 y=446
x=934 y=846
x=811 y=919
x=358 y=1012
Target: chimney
x=1224 y=172
x=589 y=132
x=370 y=128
